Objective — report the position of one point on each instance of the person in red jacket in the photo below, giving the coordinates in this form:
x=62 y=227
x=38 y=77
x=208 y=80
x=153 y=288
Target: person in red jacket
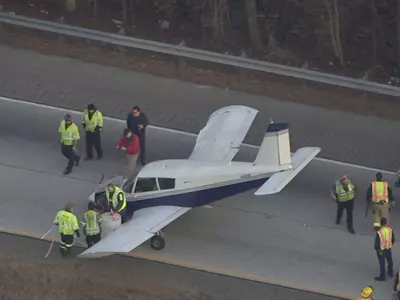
x=129 y=142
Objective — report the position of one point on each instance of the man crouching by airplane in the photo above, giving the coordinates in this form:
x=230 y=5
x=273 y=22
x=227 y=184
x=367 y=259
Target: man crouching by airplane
x=116 y=201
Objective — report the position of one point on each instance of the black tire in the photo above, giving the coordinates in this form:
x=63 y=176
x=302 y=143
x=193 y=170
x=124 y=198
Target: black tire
x=157 y=242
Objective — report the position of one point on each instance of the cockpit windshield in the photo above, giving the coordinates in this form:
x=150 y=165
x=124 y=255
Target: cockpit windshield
x=128 y=185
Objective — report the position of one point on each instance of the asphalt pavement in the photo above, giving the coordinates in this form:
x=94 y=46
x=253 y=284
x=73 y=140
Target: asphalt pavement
x=170 y=103
x=286 y=239
x=143 y=275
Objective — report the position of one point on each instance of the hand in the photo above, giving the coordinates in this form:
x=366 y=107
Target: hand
x=140 y=126
x=118 y=147
x=123 y=148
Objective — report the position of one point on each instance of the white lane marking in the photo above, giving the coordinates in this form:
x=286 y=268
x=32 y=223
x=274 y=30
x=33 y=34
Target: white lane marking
x=340 y=163
x=207 y=206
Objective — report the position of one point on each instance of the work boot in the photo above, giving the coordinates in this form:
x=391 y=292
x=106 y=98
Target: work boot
x=66 y=172
x=99 y=157
x=380 y=278
x=351 y=230
x=390 y=274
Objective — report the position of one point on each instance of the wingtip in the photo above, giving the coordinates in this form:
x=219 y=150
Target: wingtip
x=262 y=193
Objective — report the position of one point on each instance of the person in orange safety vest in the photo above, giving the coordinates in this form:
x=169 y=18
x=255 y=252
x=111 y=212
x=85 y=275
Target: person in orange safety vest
x=380 y=196
x=384 y=241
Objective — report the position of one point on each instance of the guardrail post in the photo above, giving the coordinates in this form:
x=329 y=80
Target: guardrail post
x=182 y=64
x=122 y=49
x=61 y=38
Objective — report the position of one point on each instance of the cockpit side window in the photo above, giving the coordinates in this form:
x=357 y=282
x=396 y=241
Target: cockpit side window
x=146 y=185
x=166 y=183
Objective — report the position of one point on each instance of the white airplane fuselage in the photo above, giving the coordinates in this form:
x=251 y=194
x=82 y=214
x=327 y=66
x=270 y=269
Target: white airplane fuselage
x=197 y=183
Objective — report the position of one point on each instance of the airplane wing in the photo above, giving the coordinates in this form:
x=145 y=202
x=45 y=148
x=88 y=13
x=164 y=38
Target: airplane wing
x=144 y=225
x=223 y=134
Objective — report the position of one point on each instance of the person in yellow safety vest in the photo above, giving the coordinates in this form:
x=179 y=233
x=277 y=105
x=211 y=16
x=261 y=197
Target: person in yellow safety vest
x=366 y=293
x=379 y=194
x=343 y=193
x=69 y=137
x=92 y=225
x=92 y=122
x=116 y=201
x=384 y=241
x=67 y=227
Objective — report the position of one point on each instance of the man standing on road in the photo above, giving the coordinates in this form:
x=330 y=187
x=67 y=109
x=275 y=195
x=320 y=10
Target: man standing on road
x=379 y=194
x=343 y=193
x=69 y=137
x=67 y=227
x=92 y=122
x=384 y=241
x=137 y=122
x=92 y=227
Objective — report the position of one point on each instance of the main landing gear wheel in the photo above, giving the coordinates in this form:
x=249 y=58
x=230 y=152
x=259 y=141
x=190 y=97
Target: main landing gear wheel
x=157 y=242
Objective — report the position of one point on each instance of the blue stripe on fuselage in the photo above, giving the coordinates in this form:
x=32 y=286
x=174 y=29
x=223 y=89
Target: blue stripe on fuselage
x=199 y=197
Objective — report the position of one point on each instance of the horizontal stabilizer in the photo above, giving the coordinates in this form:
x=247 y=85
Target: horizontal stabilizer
x=278 y=181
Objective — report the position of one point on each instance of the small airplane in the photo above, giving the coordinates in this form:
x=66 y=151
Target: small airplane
x=162 y=191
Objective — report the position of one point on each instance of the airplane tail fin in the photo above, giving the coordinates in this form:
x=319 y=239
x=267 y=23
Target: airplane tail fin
x=275 y=147
x=275 y=151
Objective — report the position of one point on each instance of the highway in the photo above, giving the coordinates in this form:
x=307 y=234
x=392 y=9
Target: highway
x=24 y=270
x=287 y=239
x=170 y=103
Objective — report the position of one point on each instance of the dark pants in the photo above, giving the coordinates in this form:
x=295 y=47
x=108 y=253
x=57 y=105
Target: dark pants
x=382 y=256
x=142 y=143
x=66 y=244
x=93 y=139
x=348 y=206
x=92 y=239
x=124 y=216
x=70 y=155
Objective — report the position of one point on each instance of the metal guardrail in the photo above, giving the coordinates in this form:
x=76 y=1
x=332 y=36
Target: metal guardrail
x=182 y=51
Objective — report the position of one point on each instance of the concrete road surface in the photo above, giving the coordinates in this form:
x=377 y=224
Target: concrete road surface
x=25 y=271
x=288 y=239
x=170 y=103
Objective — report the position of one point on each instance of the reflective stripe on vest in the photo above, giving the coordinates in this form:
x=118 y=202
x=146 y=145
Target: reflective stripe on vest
x=385 y=236
x=114 y=199
x=66 y=223
x=70 y=134
x=380 y=191
x=92 y=220
x=342 y=195
x=93 y=122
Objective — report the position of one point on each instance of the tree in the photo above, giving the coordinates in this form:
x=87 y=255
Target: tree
x=253 y=28
x=216 y=14
x=334 y=28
